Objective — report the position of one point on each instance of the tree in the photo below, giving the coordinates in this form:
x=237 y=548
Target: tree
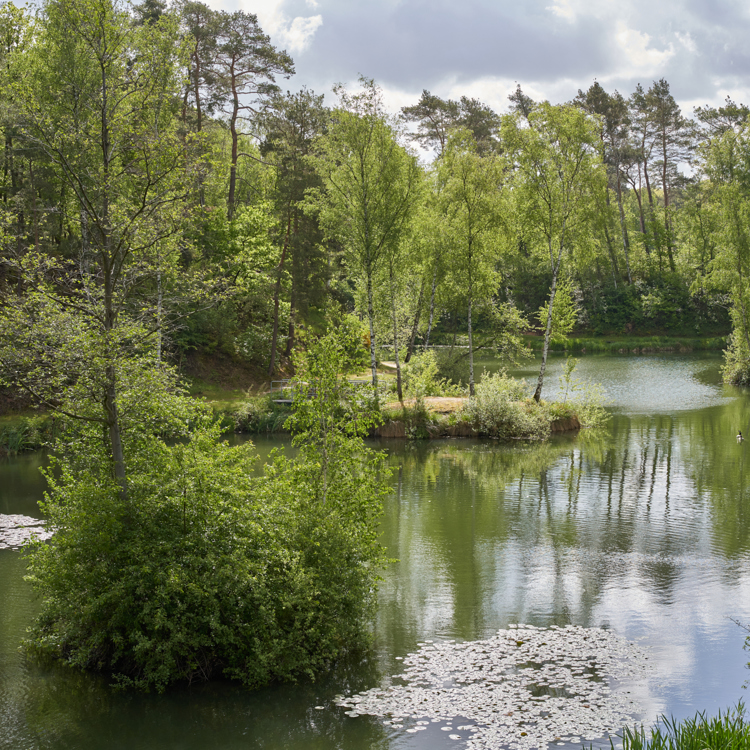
x=290 y=125
x=724 y=160
x=202 y=26
x=613 y=113
x=436 y=117
x=520 y=103
x=96 y=100
x=715 y=121
x=558 y=172
x=470 y=203
x=247 y=66
x=208 y=569
x=672 y=140
x=370 y=187
x=642 y=134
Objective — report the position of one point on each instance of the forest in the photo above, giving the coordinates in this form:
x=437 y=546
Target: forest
x=232 y=215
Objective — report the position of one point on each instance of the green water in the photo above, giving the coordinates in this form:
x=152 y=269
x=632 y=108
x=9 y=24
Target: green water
x=642 y=527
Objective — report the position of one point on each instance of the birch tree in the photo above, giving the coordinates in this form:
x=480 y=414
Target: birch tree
x=370 y=188
x=558 y=172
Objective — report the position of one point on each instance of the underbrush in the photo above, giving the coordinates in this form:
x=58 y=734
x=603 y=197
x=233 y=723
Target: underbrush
x=500 y=408
x=257 y=415
x=25 y=434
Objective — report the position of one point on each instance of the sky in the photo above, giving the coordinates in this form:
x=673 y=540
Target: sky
x=482 y=48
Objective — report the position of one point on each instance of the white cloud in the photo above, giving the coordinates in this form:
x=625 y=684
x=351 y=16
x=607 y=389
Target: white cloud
x=562 y=9
x=642 y=59
x=312 y=3
x=293 y=34
x=687 y=41
x=299 y=32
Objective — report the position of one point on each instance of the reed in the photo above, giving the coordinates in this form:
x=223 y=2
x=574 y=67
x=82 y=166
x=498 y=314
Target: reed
x=727 y=731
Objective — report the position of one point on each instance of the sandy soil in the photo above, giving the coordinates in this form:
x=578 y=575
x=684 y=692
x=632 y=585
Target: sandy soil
x=436 y=404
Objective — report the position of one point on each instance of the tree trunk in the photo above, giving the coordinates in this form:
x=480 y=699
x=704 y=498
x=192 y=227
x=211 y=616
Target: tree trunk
x=471 y=353
x=159 y=313
x=110 y=265
x=623 y=225
x=612 y=256
x=371 y=316
x=293 y=293
x=395 y=334
x=642 y=216
x=432 y=309
x=548 y=330
x=34 y=210
x=667 y=228
x=235 y=149
x=415 y=327
x=277 y=294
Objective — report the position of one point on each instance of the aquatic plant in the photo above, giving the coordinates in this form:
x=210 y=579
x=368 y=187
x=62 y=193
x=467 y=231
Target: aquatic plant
x=16 y=530
x=523 y=688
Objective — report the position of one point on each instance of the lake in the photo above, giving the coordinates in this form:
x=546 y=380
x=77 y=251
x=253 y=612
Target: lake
x=639 y=531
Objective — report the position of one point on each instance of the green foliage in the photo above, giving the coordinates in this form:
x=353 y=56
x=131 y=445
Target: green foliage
x=564 y=312
x=586 y=399
x=259 y=415
x=26 y=434
x=736 y=368
x=728 y=731
x=500 y=408
x=450 y=364
x=421 y=378
x=205 y=568
x=371 y=184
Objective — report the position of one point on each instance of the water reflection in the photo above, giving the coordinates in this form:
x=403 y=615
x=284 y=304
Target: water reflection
x=642 y=527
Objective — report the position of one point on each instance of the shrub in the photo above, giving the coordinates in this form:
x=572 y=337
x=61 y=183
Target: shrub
x=500 y=409
x=259 y=415
x=586 y=399
x=421 y=378
x=204 y=568
x=736 y=368
x=26 y=434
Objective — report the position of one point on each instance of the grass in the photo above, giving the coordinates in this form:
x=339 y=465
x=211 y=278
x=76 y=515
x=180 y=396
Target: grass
x=632 y=344
x=728 y=731
x=219 y=397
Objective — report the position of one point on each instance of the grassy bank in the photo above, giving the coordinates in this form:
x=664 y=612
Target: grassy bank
x=630 y=344
x=728 y=731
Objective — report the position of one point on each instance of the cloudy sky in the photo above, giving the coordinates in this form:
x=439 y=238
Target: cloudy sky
x=481 y=48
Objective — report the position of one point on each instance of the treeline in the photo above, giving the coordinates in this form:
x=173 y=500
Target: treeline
x=227 y=215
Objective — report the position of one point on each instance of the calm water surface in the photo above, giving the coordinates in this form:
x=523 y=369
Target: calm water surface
x=642 y=527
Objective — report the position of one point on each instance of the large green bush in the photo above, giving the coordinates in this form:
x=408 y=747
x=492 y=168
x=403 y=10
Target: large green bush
x=501 y=408
x=208 y=568
x=736 y=368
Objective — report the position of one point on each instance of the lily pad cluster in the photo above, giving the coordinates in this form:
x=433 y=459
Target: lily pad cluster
x=523 y=688
x=16 y=530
